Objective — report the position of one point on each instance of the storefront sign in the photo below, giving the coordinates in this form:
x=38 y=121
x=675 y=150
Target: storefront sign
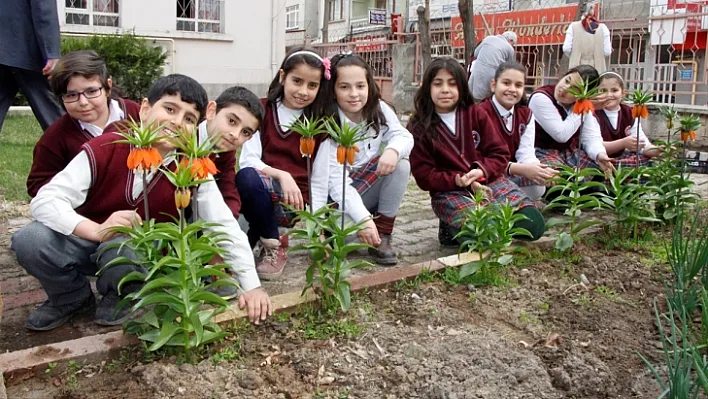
x=533 y=27
x=370 y=43
x=377 y=16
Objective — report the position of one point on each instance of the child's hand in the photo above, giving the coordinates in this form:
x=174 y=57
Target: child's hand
x=630 y=143
x=537 y=172
x=258 y=303
x=599 y=101
x=291 y=192
x=605 y=163
x=652 y=152
x=369 y=234
x=468 y=178
x=387 y=162
x=488 y=194
x=119 y=218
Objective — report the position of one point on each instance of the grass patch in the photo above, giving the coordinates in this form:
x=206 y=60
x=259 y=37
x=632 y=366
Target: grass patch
x=316 y=323
x=17 y=139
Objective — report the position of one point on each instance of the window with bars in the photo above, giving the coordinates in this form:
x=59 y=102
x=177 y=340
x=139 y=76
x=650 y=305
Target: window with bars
x=199 y=16
x=92 y=12
x=292 y=15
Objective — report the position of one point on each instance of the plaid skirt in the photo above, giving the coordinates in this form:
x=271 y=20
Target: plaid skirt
x=449 y=206
x=284 y=218
x=577 y=158
x=365 y=177
x=629 y=160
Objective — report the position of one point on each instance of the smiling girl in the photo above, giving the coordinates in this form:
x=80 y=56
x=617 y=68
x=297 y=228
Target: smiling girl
x=517 y=124
x=460 y=150
x=81 y=81
x=272 y=168
x=619 y=130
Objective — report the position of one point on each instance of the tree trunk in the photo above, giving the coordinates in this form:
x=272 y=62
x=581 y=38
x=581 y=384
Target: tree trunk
x=466 y=8
x=325 y=21
x=424 y=32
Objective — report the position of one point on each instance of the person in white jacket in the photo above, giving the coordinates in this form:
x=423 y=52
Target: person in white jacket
x=380 y=172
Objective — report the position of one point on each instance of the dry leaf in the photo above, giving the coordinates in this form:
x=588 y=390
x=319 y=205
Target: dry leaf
x=524 y=344
x=553 y=340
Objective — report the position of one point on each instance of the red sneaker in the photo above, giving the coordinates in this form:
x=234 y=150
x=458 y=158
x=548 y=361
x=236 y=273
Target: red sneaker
x=272 y=260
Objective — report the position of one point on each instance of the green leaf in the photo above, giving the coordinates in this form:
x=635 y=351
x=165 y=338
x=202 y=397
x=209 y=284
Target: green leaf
x=564 y=242
x=209 y=298
x=505 y=259
x=470 y=268
x=344 y=295
x=198 y=327
x=584 y=225
x=167 y=330
x=553 y=222
x=149 y=318
x=130 y=277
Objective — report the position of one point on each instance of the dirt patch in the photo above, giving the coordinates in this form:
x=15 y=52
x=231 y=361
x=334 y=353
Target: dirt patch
x=543 y=335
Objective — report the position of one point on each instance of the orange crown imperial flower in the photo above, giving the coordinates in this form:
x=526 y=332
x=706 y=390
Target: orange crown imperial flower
x=690 y=135
x=144 y=159
x=201 y=168
x=640 y=111
x=583 y=106
x=347 y=152
x=307 y=146
x=688 y=126
x=182 y=197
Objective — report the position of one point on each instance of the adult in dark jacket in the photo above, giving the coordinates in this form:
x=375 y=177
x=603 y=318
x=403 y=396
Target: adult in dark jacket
x=29 y=48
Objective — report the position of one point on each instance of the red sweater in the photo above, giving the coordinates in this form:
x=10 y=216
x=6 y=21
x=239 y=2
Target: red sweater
x=281 y=150
x=112 y=184
x=521 y=119
x=543 y=139
x=476 y=143
x=60 y=143
x=225 y=179
x=609 y=133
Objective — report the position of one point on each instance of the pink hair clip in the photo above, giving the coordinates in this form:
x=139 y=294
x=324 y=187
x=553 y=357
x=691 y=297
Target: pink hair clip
x=327 y=64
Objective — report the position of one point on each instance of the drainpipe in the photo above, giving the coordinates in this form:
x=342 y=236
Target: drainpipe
x=273 y=33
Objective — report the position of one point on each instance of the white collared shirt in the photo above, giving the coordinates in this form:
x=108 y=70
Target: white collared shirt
x=115 y=113
x=56 y=202
x=546 y=114
x=526 y=153
x=613 y=117
x=449 y=119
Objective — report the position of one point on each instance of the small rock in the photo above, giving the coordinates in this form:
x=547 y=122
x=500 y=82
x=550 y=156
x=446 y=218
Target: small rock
x=524 y=272
x=400 y=372
x=181 y=390
x=584 y=279
x=471 y=288
x=415 y=296
x=138 y=370
x=326 y=380
x=453 y=332
x=560 y=379
x=250 y=380
x=515 y=295
x=187 y=368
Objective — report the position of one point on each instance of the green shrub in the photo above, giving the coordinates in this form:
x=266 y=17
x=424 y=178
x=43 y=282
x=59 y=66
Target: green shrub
x=133 y=62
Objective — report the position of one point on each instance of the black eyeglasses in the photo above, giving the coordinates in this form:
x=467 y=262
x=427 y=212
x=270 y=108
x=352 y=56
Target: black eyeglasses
x=91 y=92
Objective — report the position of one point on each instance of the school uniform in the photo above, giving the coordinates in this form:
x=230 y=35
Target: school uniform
x=63 y=140
x=618 y=124
x=225 y=177
x=563 y=137
x=518 y=129
x=275 y=146
x=466 y=139
x=94 y=185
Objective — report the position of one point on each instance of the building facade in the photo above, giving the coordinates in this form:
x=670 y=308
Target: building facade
x=220 y=43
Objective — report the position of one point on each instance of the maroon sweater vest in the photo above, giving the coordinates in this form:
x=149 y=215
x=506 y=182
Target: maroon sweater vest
x=281 y=149
x=476 y=143
x=521 y=118
x=543 y=139
x=112 y=184
x=60 y=144
x=624 y=122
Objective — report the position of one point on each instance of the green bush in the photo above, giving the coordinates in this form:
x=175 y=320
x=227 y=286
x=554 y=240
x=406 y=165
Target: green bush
x=133 y=62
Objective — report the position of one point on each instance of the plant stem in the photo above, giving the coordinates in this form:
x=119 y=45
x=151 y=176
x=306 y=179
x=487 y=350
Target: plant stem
x=344 y=187
x=637 y=154
x=309 y=180
x=145 y=196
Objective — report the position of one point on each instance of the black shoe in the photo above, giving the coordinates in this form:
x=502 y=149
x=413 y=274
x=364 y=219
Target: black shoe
x=48 y=317
x=107 y=312
x=445 y=238
x=226 y=292
x=384 y=253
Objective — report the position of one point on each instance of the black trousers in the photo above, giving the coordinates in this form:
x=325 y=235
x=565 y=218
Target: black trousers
x=35 y=87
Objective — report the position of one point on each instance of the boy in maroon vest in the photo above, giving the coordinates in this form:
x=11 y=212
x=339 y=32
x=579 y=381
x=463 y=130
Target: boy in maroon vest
x=95 y=192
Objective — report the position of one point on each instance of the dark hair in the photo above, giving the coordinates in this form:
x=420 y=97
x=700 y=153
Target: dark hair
x=587 y=73
x=86 y=63
x=425 y=115
x=372 y=113
x=239 y=95
x=611 y=75
x=513 y=65
x=308 y=57
x=188 y=89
